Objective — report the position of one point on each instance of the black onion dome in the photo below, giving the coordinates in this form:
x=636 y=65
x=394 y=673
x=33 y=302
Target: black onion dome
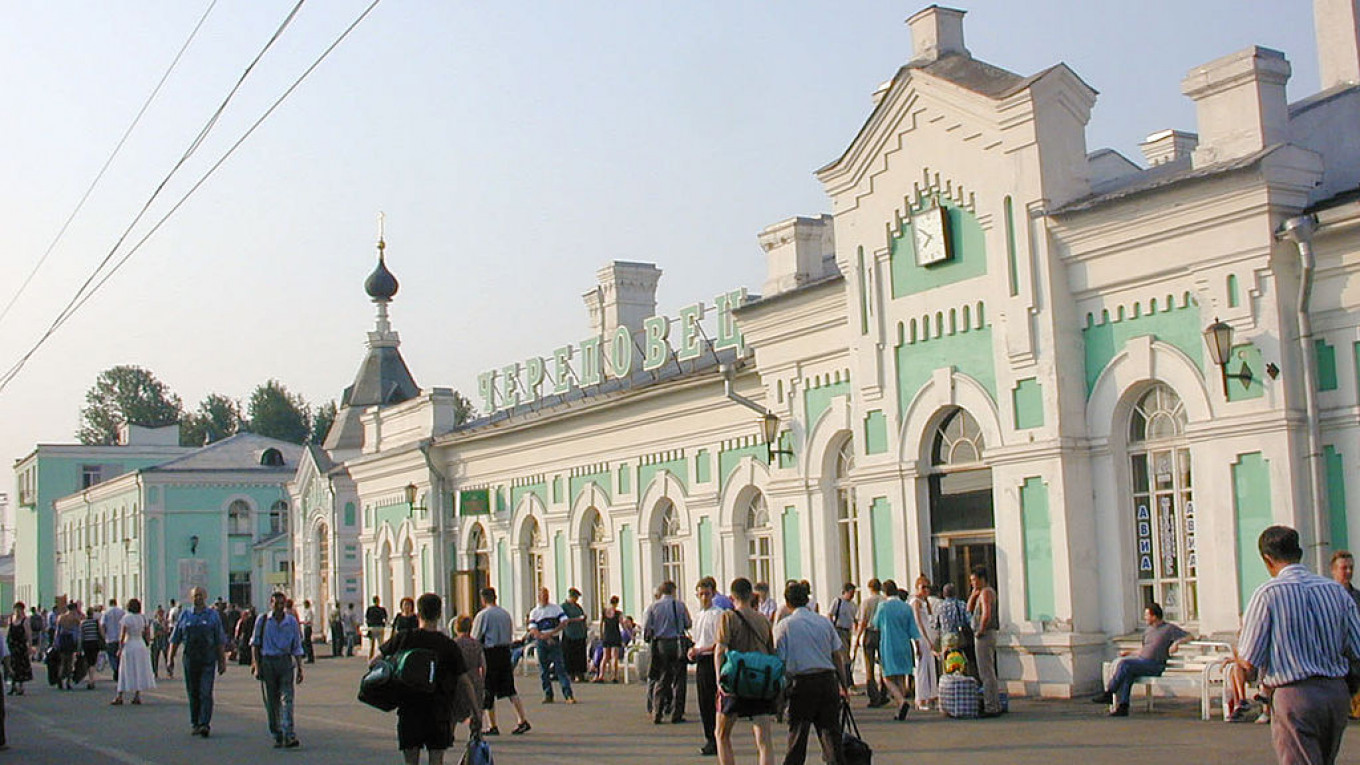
x=381 y=284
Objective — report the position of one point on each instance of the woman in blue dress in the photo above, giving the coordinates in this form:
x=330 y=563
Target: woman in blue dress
x=897 y=635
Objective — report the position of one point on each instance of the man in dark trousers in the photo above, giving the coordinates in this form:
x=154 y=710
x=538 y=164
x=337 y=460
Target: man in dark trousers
x=705 y=673
x=814 y=659
x=375 y=619
x=666 y=622
x=276 y=646
x=199 y=630
x=422 y=724
x=1297 y=631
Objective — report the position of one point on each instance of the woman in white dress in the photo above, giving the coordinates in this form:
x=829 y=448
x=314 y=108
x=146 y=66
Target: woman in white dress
x=134 y=669
x=927 y=680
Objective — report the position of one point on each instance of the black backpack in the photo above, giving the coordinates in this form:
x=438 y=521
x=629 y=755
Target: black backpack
x=409 y=676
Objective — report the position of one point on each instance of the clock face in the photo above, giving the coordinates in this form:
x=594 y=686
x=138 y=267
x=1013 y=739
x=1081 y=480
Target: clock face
x=930 y=233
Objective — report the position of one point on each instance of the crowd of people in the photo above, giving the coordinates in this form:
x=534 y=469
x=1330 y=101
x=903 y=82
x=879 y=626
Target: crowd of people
x=757 y=658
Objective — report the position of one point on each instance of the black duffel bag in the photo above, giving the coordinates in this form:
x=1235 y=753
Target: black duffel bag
x=857 y=752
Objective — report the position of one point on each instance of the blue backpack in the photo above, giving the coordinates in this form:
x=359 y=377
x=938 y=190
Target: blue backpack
x=751 y=674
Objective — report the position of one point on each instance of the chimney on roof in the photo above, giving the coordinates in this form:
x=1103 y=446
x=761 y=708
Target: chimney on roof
x=1168 y=146
x=1240 y=104
x=624 y=296
x=936 y=32
x=1338 y=41
x=798 y=251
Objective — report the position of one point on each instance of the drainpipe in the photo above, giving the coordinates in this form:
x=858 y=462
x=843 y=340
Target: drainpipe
x=437 y=490
x=729 y=372
x=1299 y=230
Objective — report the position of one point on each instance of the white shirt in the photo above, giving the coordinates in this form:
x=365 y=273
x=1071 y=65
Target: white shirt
x=806 y=642
x=706 y=629
x=547 y=618
x=306 y=615
x=113 y=619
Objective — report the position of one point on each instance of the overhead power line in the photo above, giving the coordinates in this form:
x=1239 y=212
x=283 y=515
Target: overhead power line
x=99 y=176
x=82 y=296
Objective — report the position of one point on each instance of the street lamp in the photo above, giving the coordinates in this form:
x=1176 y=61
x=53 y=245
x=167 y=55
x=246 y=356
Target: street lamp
x=769 y=429
x=1218 y=336
x=411 y=495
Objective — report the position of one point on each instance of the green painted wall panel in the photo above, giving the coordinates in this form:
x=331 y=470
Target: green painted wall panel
x=705 y=532
x=557 y=489
x=729 y=458
x=629 y=570
x=560 y=564
x=968 y=352
x=1336 y=498
x=875 y=432
x=349 y=514
x=880 y=520
x=503 y=575
x=970 y=256
x=677 y=467
x=1036 y=525
x=392 y=515
x=818 y=400
x=703 y=467
x=1028 y=397
x=1246 y=357
x=626 y=479
x=1326 y=365
x=577 y=484
x=793 y=545
x=1179 y=326
x=1252 y=511
x=539 y=490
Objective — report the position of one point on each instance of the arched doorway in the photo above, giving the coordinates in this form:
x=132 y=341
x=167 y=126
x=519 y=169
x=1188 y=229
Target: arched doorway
x=479 y=550
x=597 y=540
x=1163 y=504
x=409 y=569
x=962 y=525
x=847 y=513
x=672 y=550
x=759 y=540
x=322 y=540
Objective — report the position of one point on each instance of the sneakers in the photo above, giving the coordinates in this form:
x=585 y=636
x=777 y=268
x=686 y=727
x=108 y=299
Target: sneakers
x=492 y=731
x=1120 y=711
x=1240 y=714
x=521 y=729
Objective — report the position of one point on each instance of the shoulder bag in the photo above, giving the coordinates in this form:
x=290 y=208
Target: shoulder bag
x=686 y=642
x=752 y=674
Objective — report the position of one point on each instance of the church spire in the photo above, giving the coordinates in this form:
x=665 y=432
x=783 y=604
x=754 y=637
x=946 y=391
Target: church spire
x=382 y=286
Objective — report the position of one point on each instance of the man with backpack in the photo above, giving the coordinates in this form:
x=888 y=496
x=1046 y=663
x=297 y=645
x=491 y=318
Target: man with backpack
x=276 y=645
x=424 y=722
x=743 y=629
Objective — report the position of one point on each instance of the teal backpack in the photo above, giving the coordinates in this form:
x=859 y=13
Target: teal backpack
x=751 y=674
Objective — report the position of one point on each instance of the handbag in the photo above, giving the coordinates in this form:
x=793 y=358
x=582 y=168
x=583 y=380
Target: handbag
x=478 y=752
x=686 y=642
x=855 y=749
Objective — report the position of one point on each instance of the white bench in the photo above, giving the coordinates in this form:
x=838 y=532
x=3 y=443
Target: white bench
x=1195 y=669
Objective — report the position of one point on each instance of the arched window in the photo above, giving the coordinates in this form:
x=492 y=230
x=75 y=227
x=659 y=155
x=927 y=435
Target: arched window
x=537 y=547
x=598 y=540
x=238 y=517
x=271 y=458
x=759 y=539
x=1163 y=504
x=672 y=551
x=958 y=440
x=847 y=513
x=278 y=518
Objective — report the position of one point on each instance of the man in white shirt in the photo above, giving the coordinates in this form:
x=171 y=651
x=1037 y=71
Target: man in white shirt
x=110 y=624
x=705 y=673
x=306 y=616
x=546 y=623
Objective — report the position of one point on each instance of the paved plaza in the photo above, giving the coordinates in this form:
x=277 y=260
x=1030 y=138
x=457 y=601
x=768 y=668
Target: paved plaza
x=608 y=726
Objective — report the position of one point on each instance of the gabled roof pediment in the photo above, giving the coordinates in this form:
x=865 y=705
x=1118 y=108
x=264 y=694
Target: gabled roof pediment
x=976 y=90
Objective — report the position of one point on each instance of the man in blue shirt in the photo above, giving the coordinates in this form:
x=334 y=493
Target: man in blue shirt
x=1298 y=630
x=199 y=630
x=276 y=645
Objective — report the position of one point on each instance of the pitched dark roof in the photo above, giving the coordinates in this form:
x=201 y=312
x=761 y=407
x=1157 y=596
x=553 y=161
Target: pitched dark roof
x=383 y=379
x=1158 y=177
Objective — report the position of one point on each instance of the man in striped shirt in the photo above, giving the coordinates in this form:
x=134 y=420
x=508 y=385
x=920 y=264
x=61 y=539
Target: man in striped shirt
x=1297 y=631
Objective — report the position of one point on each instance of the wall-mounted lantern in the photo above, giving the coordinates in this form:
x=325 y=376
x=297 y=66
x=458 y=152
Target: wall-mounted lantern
x=1219 y=336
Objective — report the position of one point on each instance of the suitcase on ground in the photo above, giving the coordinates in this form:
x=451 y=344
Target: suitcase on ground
x=959 y=696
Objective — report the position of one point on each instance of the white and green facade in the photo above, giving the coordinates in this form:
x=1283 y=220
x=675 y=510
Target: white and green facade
x=990 y=351
x=52 y=471
x=217 y=517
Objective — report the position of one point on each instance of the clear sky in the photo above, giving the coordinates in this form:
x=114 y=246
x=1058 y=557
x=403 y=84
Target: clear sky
x=514 y=147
